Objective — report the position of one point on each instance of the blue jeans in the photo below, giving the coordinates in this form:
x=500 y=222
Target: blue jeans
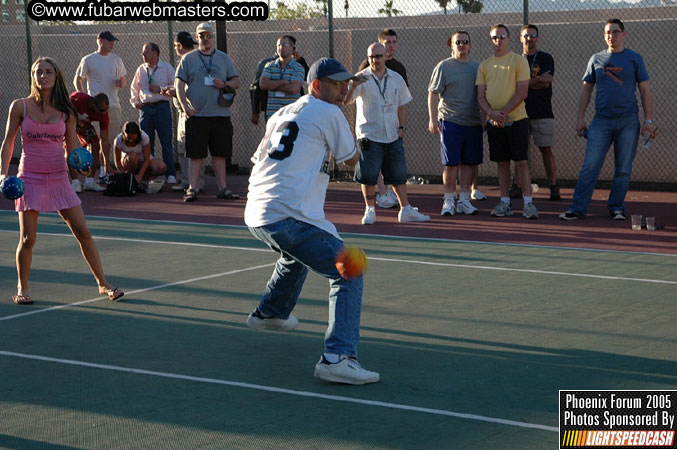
x=623 y=132
x=303 y=246
x=375 y=157
x=158 y=117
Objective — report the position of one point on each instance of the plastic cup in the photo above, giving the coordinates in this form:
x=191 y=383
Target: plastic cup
x=636 y=221
x=651 y=223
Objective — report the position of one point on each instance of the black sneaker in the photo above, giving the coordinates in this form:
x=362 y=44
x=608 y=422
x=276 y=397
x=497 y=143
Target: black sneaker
x=618 y=215
x=568 y=216
x=554 y=193
x=515 y=191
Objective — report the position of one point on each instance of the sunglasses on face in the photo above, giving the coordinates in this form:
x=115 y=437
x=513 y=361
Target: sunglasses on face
x=614 y=32
x=339 y=84
x=498 y=36
x=375 y=56
x=462 y=41
x=531 y=35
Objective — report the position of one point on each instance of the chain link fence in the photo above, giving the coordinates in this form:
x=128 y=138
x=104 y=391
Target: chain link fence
x=570 y=30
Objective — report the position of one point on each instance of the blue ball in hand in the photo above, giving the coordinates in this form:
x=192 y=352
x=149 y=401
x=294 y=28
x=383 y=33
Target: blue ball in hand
x=12 y=188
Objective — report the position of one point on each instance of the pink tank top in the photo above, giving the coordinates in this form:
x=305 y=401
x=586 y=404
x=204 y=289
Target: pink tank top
x=43 y=145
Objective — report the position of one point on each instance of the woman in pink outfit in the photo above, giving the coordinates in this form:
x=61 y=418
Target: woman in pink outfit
x=47 y=119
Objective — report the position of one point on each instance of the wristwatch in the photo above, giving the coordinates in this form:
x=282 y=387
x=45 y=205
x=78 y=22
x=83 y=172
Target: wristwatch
x=648 y=121
x=401 y=128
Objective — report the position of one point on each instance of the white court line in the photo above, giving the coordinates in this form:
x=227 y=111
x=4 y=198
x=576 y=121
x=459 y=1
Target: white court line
x=412 y=238
x=152 y=288
x=259 y=387
x=408 y=261
x=508 y=269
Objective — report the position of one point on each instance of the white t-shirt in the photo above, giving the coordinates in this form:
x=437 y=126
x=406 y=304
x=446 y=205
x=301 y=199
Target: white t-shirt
x=291 y=165
x=101 y=72
x=138 y=148
x=377 y=102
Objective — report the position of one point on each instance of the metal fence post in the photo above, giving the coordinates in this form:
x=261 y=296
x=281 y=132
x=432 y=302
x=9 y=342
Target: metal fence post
x=330 y=26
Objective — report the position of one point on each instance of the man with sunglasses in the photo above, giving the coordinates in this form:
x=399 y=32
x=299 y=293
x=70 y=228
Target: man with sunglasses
x=458 y=121
x=502 y=85
x=539 y=102
x=617 y=72
x=285 y=210
x=381 y=97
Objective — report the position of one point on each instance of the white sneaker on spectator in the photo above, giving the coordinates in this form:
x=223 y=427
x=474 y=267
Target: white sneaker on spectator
x=171 y=179
x=465 y=207
x=369 y=215
x=530 y=211
x=384 y=201
x=410 y=214
x=478 y=195
x=347 y=370
x=90 y=185
x=77 y=186
x=257 y=321
x=449 y=207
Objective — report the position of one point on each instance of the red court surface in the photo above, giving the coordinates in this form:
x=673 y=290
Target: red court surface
x=344 y=207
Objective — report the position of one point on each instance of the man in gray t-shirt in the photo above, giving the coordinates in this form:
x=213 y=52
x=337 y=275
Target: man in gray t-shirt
x=455 y=114
x=201 y=77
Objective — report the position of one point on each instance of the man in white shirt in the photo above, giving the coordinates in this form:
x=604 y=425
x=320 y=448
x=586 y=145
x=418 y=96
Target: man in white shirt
x=103 y=71
x=381 y=96
x=150 y=80
x=285 y=209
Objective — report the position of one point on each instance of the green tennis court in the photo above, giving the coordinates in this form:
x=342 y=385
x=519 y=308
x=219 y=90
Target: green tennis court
x=472 y=341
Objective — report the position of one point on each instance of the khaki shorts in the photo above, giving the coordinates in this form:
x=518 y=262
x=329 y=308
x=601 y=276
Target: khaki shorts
x=542 y=131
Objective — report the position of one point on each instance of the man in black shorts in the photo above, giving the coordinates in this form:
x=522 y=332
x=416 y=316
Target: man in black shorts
x=206 y=72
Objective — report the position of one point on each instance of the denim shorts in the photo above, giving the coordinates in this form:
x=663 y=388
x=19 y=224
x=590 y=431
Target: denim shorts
x=375 y=157
x=509 y=143
x=461 y=144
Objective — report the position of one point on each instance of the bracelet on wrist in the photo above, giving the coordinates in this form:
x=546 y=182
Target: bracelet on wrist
x=648 y=121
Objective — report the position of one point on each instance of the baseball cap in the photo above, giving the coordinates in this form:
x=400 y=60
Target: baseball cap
x=184 y=38
x=204 y=27
x=107 y=35
x=329 y=68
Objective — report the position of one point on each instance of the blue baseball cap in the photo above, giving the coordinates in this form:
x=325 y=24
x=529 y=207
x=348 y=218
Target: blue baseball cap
x=329 y=68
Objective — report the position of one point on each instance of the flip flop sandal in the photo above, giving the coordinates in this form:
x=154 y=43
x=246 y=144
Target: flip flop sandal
x=227 y=194
x=114 y=294
x=20 y=299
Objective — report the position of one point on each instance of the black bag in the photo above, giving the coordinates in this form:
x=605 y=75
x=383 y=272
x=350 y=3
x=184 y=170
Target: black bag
x=121 y=185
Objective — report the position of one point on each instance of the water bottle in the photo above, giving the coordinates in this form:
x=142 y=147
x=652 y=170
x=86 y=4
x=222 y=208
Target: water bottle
x=584 y=133
x=646 y=139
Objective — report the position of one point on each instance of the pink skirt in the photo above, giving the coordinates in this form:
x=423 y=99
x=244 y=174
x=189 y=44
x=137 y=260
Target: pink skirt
x=46 y=192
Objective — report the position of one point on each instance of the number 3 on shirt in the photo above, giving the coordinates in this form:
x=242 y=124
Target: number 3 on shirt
x=285 y=135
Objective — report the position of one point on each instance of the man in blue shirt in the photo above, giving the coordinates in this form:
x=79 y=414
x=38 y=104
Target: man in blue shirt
x=617 y=72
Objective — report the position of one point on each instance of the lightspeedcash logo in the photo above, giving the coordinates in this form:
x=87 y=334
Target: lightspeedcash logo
x=196 y=10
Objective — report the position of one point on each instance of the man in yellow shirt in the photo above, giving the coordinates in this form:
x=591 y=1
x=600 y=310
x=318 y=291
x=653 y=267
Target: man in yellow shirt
x=502 y=85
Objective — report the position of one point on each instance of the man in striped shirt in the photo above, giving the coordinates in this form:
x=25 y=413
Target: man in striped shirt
x=283 y=77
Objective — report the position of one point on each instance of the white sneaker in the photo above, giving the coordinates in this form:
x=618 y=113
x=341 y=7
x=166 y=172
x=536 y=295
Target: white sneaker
x=448 y=207
x=77 y=186
x=384 y=201
x=478 y=195
x=347 y=371
x=369 y=215
x=465 y=207
x=90 y=185
x=154 y=186
x=409 y=214
x=171 y=179
x=256 y=321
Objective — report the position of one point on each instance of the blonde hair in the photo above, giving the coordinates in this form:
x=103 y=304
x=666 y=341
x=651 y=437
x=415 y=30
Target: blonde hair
x=60 y=99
